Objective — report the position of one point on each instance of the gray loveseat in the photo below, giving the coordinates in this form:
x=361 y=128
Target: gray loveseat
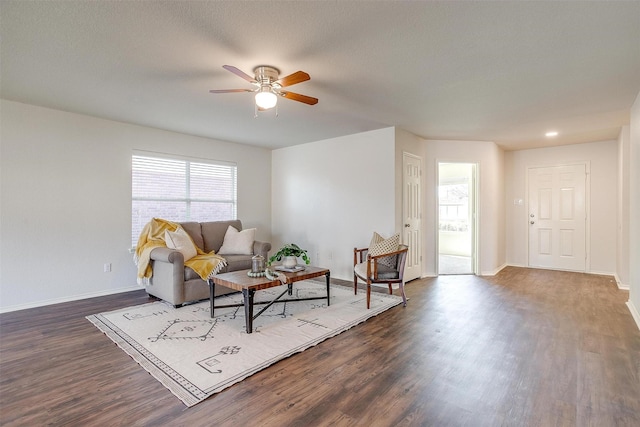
x=174 y=283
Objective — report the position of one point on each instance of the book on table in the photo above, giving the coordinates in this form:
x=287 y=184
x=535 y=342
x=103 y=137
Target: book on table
x=289 y=270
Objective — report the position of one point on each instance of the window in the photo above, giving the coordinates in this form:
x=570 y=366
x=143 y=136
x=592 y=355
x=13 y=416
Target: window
x=180 y=190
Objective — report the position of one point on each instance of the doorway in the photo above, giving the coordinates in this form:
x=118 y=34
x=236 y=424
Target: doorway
x=457 y=218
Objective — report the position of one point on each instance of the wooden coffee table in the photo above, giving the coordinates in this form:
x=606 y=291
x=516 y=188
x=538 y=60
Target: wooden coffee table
x=239 y=281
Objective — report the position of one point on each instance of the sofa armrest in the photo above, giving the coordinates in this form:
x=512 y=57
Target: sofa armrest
x=167 y=282
x=261 y=248
x=167 y=255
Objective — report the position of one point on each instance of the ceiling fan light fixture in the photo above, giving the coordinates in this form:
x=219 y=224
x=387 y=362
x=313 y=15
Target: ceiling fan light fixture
x=265 y=98
x=268 y=86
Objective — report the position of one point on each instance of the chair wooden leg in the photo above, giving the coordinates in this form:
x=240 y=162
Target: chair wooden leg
x=368 y=294
x=355 y=284
x=390 y=289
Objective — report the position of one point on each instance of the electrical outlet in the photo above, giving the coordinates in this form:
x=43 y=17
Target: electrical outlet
x=330 y=257
x=107 y=267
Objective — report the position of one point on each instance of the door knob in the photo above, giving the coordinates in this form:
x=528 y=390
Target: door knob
x=407 y=225
x=532 y=222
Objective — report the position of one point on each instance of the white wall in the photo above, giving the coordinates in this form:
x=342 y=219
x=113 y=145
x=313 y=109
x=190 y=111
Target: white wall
x=491 y=209
x=65 y=196
x=347 y=187
x=634 y=212
x=602 y=157
x=329 y=196
x=622 y=250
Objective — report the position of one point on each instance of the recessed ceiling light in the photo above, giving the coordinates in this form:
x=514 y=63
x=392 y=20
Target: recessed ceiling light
x=551 y=134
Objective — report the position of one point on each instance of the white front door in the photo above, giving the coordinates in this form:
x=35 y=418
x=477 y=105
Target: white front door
x=412 y=215
x=557 y=217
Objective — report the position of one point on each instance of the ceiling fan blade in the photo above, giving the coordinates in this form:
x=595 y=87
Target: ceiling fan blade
x=239 y=73
x=292 y=79
x=230 y=90
x=300 y=98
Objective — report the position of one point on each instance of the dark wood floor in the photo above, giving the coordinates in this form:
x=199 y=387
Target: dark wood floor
x=523 y=348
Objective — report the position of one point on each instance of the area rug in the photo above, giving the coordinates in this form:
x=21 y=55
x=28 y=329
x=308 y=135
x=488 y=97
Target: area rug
x=195 y=356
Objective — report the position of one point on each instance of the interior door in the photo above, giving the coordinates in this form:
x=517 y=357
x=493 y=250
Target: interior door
x=557 y=217
x=412 y=215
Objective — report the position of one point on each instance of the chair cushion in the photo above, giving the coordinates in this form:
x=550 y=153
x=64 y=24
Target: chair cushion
x=380 y=246
x=180 y=241
x=384 y=272
x=238 y=242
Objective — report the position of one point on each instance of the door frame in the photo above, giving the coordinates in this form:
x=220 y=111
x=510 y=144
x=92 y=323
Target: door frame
x=475 y=217
x=420 y=248
x=587 y=208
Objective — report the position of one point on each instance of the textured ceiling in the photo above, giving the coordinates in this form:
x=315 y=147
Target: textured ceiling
x=492 y=71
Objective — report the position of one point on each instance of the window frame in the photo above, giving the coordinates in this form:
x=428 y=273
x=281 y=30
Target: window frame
x=188 y=200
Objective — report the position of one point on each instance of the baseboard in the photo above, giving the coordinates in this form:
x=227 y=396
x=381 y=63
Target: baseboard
x=66 y=299
x=601 y=273
x=621 y=285
x=494 y=272
x=634 y=313
x=517 y=265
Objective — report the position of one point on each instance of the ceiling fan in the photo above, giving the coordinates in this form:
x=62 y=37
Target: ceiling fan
x=268 y=86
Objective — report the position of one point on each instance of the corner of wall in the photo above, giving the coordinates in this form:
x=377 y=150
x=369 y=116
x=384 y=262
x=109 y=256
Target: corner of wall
x=619 y=283
x=634 y=209
x=493 y=272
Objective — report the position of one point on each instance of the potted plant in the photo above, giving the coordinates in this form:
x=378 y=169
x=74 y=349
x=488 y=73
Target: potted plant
x=289 y=254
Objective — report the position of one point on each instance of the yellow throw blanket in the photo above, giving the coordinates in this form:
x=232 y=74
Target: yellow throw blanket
x=152 y=236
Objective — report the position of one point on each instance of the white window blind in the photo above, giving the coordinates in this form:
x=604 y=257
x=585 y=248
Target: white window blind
x=180 y=190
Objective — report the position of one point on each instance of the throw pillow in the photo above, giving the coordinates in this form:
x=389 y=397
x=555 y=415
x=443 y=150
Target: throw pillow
x=238 y=242
x=380 y=246
x=180 y=241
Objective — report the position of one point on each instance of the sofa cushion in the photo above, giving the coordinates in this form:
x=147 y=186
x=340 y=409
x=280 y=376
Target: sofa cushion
x=238 y=242
x=180 y=241
x=194 y=231
x=190 y=274
x=213 y=233
x=238 y=262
